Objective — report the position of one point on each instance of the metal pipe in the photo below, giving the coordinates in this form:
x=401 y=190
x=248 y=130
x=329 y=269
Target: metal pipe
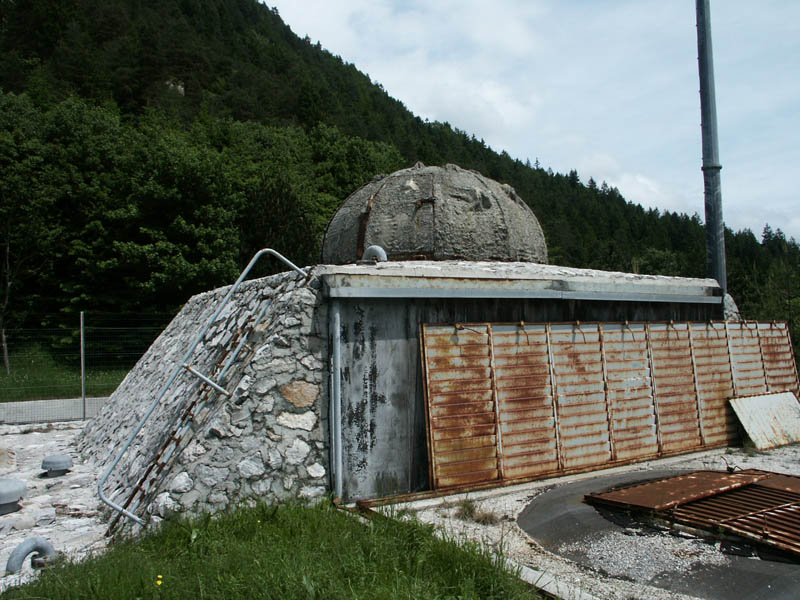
x=374 y=253
x=207 y=380
x=174 y=375
x=715 y=226
x=331 y=404
x=42 y=547
x=336 y=426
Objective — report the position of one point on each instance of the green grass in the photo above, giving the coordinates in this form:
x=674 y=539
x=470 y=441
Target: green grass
x=36 y=375
x=467 y=510
x=286 y=552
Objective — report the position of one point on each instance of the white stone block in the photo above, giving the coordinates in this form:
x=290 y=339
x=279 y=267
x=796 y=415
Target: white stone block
x=182 y=483
x=251 y=467
x=211 y=476
x=316 y=470
x=265 y=384
x=244 y=385
x=262 y=486
x=305 y=421
x=164 y=505
x=274 y=458
x=297 y=452
x=308 y=492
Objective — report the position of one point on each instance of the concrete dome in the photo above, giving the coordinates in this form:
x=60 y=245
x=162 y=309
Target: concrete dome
x=435 y=213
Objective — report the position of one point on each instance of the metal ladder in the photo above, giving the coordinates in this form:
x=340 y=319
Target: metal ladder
x=212 y=380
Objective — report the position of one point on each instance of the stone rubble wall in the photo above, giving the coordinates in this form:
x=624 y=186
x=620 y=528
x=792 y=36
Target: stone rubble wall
x=269 y=441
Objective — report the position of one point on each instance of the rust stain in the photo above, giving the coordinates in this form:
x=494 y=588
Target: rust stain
x=557 y=398
x=363 y=222
x=674 y=491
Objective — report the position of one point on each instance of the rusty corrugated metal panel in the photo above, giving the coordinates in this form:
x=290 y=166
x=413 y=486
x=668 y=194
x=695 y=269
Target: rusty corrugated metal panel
x=714 y=382
x=770 y=420
x=580 y=392
x=788 y=483
x=746 y=361
x=673 y=376
x=525 y=400
x=517 y=401
x=674 y=491
x=462 y=425
x=778 y=357
x=629 y=390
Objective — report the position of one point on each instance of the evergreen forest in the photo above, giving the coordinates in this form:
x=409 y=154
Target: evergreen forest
x=149 y=148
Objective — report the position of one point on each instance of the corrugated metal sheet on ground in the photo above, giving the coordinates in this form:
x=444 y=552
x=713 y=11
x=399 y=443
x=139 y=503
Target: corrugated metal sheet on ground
x=770 y=420
x=757 y=505
x=673 y=491
x=519 y=401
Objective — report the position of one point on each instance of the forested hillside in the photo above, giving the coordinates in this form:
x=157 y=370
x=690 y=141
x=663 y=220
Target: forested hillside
x=148 y=148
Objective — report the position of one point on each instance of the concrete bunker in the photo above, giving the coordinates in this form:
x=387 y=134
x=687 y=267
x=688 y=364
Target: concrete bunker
x=325 y=385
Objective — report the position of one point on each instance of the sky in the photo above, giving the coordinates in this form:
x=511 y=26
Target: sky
x=607 y=87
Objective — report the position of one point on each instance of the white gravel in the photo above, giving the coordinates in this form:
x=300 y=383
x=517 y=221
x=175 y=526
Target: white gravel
x=641 y=558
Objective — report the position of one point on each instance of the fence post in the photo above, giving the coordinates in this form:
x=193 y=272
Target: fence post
x=83 y=370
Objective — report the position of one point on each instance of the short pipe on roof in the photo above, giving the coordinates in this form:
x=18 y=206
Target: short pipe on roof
x=374 y=253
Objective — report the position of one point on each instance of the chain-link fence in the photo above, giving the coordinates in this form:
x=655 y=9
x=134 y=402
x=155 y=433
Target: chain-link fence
x=67 y=373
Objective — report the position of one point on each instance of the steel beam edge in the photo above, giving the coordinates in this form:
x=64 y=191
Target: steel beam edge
x=473 y=293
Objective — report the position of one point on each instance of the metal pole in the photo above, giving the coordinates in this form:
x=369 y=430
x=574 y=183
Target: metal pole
x=715 y=226
x=338 y=488
x=83 y=369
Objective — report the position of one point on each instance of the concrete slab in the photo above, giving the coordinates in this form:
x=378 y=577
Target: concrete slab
x=562 y=523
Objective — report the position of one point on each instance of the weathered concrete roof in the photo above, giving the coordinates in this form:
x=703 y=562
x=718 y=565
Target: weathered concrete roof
x=435 y=213
x=463 y=279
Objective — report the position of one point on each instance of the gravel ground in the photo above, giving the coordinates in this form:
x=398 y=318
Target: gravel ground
x=616 y=566
x=65 y=511
x=642 y=557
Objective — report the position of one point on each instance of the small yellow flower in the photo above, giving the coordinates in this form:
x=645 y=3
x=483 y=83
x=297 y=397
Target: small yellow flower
x=161 y=577
x=159 y=582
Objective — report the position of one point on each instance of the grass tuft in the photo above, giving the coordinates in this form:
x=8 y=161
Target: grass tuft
x=467 y=510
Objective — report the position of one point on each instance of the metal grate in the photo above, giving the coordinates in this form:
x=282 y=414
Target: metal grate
x=520 y=401
x=673 y=491
x=757 y=505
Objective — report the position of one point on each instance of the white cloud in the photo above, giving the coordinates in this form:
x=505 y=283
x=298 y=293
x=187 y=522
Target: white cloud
x=609 y=88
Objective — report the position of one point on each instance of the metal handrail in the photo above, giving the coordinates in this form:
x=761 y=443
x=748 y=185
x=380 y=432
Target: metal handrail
x=174 y=375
